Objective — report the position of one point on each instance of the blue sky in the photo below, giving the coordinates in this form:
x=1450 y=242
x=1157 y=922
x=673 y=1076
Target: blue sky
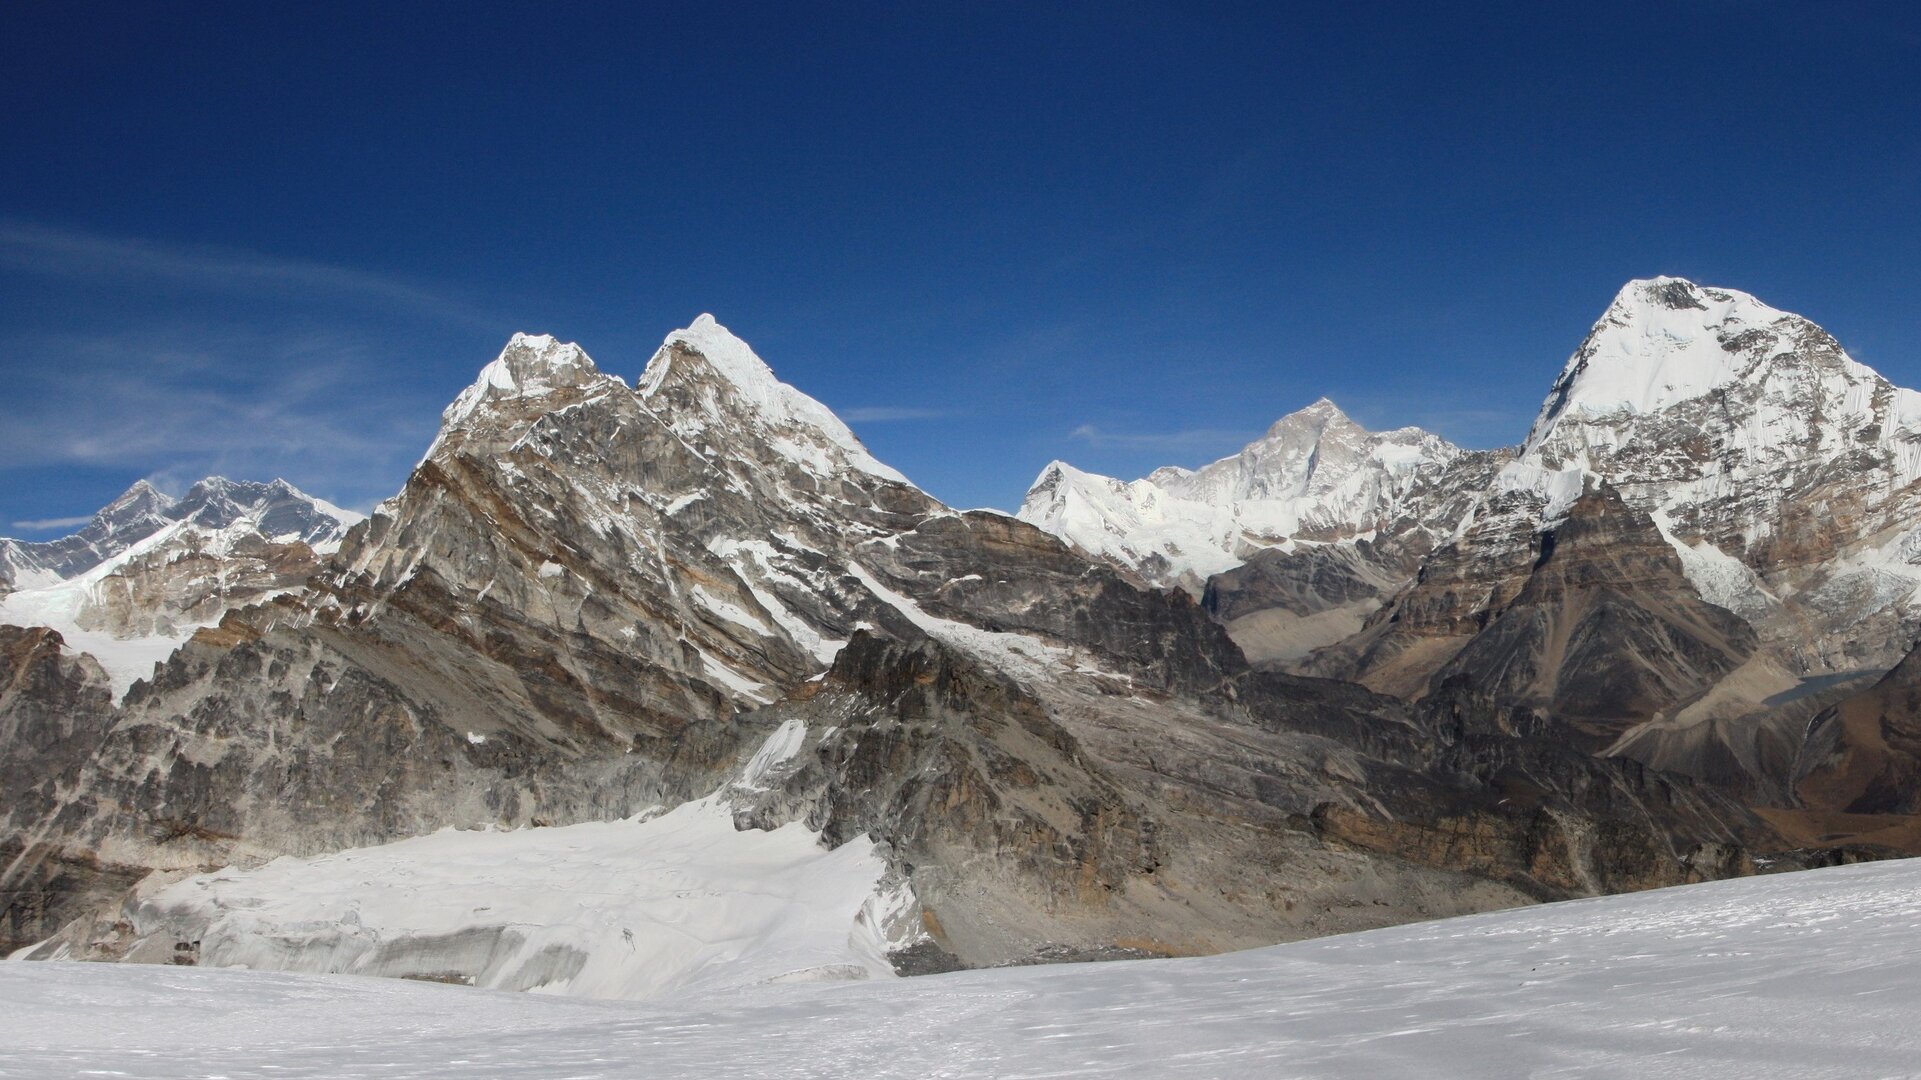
x=263 y=239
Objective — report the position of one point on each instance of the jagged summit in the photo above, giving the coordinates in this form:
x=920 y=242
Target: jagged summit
x=530 y=366
x=137 y=501
x=1322 y=409
x=277 y=509
x=702 y=381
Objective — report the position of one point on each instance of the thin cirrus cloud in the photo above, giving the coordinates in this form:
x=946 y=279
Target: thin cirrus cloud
x=188 y=389
x=44 y=524
x=251 y=404
x=1193 y=439
x=889 y=414
x=37 y=249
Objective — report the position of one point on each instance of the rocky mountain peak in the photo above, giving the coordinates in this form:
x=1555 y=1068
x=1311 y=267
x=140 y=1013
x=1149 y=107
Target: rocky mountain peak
x=1320 y=416
x=530 y=370
x=138 y=502
x=534 y=361
x=532 y=365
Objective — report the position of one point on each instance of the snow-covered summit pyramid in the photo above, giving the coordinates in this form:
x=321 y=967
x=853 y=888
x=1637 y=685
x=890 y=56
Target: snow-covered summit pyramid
x=532 y=375
x=1315 y=476
x=704 y=376
x=1666 y=341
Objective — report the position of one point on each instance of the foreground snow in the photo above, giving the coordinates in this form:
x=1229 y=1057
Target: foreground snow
x=1802 y=975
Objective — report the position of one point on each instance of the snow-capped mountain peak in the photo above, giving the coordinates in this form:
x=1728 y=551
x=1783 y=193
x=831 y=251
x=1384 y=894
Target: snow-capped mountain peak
x=1315 y=452
x=1664 y=341
x=150 y=569
x=707 y=371
x=277 y=510
x=1321 y=413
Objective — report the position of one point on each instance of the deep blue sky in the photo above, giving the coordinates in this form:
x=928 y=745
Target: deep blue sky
x=275 y=239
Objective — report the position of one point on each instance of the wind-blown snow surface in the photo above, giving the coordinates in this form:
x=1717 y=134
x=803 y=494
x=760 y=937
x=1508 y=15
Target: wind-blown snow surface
x=1802 y=975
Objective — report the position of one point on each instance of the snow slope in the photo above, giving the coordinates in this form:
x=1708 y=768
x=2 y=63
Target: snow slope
x=664 y=903
x=1801 y=975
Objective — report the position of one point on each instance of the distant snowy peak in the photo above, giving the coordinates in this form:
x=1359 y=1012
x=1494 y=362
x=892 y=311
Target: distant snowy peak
x=1316 y=475
x=1139 y=525
x=705 y=375
x=140 y=503
x=278 y=511
x=1317 y=454
x=150 y=569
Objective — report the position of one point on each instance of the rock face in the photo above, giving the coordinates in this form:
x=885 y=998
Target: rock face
x=1863 y=755
x=592 y=599
x=1591 y=620
x=1607 y=632
x=55 y=711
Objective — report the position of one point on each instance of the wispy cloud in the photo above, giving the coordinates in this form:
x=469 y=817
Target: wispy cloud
x=44 y=524
x=39 y=249
x=887 y=414
x=1193 y=439
x=1479 y=424
x=174 y=407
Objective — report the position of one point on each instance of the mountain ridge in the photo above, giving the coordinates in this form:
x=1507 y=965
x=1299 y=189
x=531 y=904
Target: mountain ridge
x=591 y=601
